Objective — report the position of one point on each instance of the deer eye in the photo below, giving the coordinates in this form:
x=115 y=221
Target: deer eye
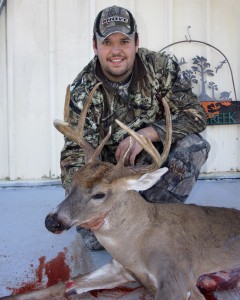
x=98 y=196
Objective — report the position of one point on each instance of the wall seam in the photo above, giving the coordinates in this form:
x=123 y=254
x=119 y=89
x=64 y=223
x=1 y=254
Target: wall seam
x=52 y=79
x=10 y=93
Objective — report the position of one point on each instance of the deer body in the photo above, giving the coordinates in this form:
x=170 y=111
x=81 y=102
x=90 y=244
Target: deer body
x=166 y=247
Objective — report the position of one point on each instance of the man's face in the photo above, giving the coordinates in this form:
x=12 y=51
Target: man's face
x=116 y=55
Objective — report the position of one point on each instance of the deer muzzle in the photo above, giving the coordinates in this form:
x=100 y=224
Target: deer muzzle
x=55 y=225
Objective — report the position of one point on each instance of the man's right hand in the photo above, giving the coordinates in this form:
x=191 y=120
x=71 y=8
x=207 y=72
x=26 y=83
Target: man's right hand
x=135 y=149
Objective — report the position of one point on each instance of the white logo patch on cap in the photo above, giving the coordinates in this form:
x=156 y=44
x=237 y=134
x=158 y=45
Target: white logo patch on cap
x=115 y=19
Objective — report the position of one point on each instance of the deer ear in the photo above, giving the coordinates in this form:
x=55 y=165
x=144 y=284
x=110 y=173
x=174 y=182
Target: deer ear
x=145 y=181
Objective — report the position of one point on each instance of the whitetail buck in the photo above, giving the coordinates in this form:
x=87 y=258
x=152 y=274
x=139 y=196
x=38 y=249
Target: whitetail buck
x=165 y=247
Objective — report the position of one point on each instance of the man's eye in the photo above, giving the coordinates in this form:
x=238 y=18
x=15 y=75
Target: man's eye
x=105 y=43
x=98 y=196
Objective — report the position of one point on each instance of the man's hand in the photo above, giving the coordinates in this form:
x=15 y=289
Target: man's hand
x=135 y=149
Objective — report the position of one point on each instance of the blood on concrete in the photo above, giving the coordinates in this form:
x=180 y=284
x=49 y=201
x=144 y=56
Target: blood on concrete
x=56 y=270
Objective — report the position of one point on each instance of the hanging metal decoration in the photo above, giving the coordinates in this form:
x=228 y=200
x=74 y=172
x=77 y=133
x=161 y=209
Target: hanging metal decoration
x=221 y=109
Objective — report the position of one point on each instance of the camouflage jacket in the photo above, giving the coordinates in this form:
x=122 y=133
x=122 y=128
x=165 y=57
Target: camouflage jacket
x=154 y=75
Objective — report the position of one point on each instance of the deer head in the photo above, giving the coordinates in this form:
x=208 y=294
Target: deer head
x=97 y=184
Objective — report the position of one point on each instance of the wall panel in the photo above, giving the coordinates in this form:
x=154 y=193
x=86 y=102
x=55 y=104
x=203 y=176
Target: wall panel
x=44 y=45
x=30 y=88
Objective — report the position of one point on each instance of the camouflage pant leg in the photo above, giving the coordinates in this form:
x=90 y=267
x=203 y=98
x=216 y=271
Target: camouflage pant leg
x=89 y=238
x=184 y=162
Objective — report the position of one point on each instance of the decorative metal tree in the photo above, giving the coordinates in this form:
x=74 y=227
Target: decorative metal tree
x=201 y=66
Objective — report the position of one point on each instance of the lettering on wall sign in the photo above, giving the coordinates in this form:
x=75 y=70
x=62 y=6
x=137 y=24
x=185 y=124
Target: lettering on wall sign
x=222 y=112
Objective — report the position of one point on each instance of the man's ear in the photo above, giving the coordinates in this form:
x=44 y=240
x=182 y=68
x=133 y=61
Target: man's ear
x=94 y=45
x=137 y=44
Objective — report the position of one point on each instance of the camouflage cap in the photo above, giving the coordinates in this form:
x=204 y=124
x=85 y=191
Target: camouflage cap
x=114 y=19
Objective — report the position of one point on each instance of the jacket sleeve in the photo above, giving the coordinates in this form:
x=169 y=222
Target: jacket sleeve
x=187 y=113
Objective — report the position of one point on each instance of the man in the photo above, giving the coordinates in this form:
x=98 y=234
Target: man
x=134 y=81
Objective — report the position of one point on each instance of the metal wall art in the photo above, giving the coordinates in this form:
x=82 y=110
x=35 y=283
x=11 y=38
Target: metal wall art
x=220 y=107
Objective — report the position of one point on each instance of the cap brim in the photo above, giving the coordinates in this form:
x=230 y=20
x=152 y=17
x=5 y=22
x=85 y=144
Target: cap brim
x=102 y=38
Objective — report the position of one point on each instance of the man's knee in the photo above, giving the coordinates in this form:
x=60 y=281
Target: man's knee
x=188 y=155
x=89 y=238
x=184 y=163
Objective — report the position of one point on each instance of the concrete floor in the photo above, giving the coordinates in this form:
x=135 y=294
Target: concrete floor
x=220 y=192
x=27 y=248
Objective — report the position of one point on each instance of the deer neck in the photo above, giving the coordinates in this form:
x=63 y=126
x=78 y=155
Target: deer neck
x=129 y=212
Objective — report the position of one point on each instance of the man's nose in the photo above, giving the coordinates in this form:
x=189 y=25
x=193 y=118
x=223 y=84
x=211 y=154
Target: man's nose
x=116 y=49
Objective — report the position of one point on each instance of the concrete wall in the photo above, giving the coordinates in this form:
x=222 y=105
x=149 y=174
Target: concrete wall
x=44 y=44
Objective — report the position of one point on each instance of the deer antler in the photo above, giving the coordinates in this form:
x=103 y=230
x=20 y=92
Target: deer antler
x=91 y=154
x=149 y=147
x=76 y=134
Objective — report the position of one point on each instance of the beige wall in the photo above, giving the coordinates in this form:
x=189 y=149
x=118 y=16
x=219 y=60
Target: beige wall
x=44 y=44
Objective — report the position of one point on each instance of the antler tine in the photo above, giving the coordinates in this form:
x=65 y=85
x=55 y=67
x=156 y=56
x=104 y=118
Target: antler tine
x=76 y=135
x=66 y=105
x=149 y=147
x=83 y=114
x=100 y=147
x=121 y=161
x=168 y=141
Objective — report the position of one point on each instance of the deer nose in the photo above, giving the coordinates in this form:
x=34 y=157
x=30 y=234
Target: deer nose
x=53 y=224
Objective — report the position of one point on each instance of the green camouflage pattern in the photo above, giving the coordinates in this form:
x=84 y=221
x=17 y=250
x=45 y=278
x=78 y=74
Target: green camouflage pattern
x=155 y=75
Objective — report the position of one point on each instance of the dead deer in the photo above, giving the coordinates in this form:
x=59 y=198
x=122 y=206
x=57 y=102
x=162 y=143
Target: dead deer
x=165 y=247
